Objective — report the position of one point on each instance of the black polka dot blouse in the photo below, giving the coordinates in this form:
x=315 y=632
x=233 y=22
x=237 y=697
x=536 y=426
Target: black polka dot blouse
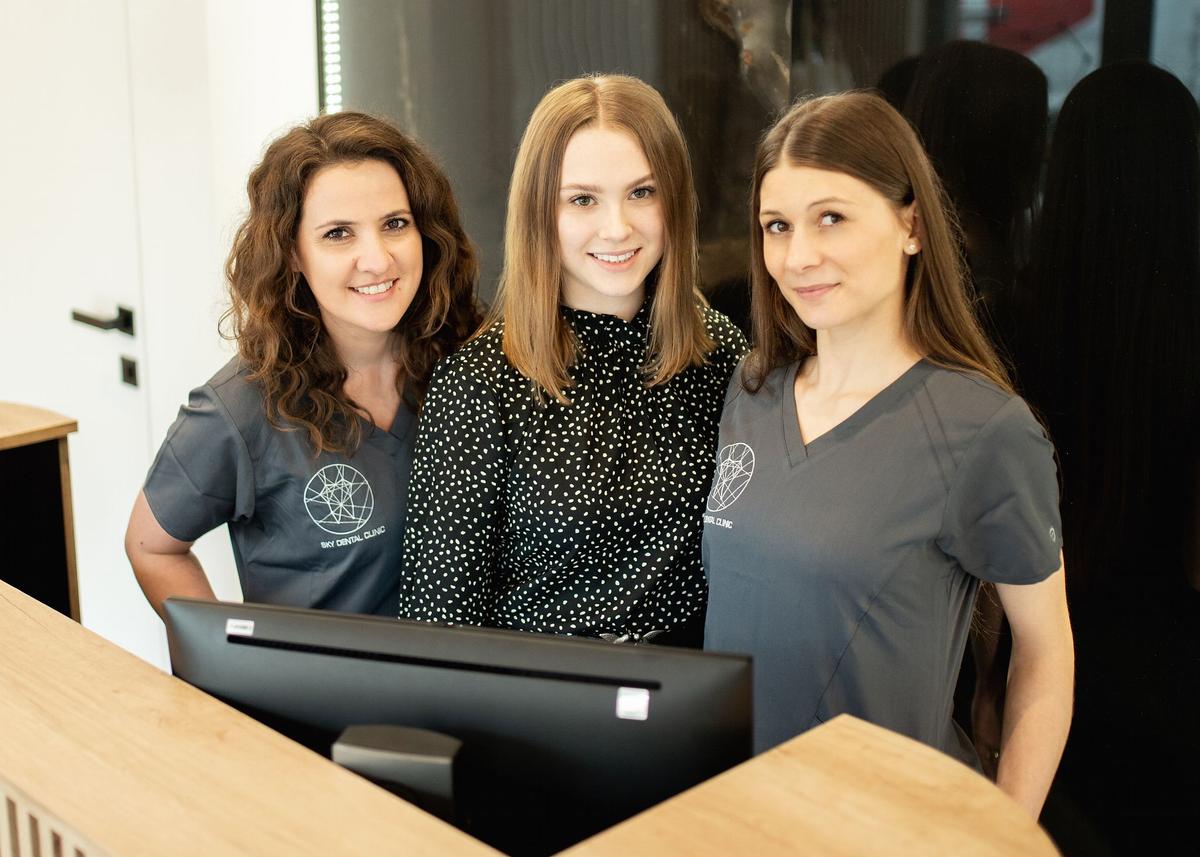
x=567 y=519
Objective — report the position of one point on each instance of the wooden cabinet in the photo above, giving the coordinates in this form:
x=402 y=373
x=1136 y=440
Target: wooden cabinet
x=37 y=533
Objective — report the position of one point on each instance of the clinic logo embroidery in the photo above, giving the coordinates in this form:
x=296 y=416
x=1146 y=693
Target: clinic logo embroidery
x=735 y=466
x=339 y=499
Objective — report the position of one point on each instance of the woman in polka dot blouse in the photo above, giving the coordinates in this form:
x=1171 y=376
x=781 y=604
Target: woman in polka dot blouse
x=564 y=454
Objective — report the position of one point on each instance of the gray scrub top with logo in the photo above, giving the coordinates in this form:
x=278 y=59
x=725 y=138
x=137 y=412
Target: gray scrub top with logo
x=325 y=532
x=848 y=567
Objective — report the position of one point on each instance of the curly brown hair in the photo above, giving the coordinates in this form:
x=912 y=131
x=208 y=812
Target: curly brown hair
x=273 y=315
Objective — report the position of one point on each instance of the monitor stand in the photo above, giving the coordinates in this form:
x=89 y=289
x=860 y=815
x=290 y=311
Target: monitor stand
x=415 y=764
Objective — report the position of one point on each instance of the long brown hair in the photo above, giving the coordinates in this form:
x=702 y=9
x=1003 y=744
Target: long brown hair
x=861 y=135
x=273 y=315
x=536 y=339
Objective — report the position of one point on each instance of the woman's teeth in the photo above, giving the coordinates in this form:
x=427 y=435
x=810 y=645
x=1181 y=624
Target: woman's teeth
x=376 y=289
x=616 y=260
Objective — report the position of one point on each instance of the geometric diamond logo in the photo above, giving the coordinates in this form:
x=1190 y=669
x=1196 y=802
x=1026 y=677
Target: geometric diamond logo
x=339 y=499
x=735 y=466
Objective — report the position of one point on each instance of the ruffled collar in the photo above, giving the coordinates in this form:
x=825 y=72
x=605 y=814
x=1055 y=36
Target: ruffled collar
x=609 y=331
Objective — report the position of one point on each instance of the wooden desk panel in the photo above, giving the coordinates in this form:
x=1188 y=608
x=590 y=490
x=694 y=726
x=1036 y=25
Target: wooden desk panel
x=105 y=748
x=844 y=788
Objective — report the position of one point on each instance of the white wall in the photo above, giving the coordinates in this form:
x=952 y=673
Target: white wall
x=126 y=135
x=213 y=82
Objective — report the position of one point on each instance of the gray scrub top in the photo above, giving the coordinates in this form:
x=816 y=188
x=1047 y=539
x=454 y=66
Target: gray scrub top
x=848 y=567
x=325 y=532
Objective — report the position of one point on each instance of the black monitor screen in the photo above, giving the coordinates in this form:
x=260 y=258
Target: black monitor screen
x=561 y=736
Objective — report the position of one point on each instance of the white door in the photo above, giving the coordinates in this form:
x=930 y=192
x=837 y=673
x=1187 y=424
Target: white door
x=128 y=129
x=69 y=239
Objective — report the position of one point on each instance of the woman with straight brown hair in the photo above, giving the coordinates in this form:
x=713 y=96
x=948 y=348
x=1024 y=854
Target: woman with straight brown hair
x=875 y=464
x=565 y=452
x=349 y=279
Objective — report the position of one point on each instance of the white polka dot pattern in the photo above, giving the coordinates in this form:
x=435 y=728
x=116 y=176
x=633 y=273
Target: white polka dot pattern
x=569 y=519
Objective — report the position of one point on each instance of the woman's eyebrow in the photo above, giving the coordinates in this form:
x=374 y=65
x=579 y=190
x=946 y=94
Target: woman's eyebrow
x=399 y=212
x=828 y=199
x=591 y=188
x=334 y=222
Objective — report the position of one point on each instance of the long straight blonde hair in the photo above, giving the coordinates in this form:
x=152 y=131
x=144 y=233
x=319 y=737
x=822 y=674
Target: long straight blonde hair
x=537 y=341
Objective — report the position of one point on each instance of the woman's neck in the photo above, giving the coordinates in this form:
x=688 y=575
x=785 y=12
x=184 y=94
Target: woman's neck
x=371 y=371
x=858 y=360
x=624 y=307
x=365 y=354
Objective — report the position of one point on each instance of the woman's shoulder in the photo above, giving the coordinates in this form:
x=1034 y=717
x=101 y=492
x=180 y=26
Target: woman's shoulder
x=479 y=367
x=233 y=399
x=967 y=407
x=756 y=388
x=232 y=389
x=726 y=335
x=479 y=358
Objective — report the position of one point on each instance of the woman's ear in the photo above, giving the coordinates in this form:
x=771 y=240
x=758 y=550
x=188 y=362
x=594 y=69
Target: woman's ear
x=911 y=222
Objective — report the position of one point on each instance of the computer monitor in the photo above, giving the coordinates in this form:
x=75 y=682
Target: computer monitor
x=562 y=736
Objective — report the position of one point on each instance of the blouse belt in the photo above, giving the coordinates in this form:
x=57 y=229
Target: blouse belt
x=633 y=637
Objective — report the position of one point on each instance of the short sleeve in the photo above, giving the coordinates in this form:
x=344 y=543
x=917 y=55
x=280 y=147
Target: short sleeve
x=455 y=498
x=203 y=475
x=1002 y=520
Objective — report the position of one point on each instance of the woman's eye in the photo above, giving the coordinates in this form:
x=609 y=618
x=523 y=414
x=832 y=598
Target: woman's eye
x=644 y=192
x=396 y=223
x=830 y=218
x=337 y=233
x=775 y=227
x=583 y=200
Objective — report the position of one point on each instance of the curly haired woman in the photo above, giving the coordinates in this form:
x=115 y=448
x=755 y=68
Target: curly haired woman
x=349 y=279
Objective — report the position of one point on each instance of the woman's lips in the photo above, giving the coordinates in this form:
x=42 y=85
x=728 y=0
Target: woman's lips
x=812 y=293
x=616 y=261
x=375 y=291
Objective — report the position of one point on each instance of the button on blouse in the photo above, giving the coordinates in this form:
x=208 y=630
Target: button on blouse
x=571 y=519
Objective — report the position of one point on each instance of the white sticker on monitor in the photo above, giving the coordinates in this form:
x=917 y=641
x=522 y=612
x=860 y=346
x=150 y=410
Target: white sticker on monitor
x=633 y=703
x=239 y=627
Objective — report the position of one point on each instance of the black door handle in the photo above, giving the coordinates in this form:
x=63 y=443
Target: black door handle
x=123 y=321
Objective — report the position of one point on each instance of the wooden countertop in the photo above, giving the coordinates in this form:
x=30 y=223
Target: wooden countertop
x=136 y=762
x=131 y=761
x=844 y=788
x=21 y=425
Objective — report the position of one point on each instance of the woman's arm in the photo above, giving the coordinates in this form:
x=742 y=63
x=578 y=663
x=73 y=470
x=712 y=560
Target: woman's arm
x=1041 y=681
x=163 y=565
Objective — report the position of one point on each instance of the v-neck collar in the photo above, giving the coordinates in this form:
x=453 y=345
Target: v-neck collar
x=392 y=439
x=798 y=452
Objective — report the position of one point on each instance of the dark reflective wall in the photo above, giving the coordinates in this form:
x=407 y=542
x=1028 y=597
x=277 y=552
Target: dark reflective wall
x=464 y=77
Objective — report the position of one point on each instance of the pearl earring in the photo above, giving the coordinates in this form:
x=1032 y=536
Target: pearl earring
x=911 y=248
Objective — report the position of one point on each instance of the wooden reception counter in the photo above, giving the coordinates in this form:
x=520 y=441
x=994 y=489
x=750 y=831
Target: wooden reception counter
x=102 y=754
